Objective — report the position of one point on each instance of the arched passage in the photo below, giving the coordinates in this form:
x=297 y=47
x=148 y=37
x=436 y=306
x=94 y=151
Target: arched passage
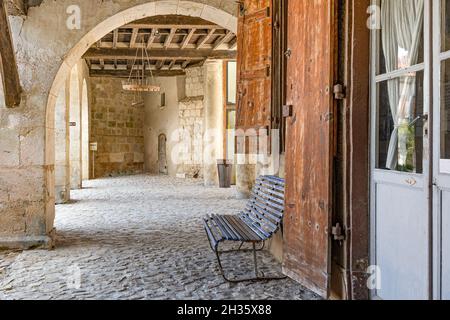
x=169 y=7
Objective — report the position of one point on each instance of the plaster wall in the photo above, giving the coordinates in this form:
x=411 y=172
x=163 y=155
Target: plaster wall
x=163 y=120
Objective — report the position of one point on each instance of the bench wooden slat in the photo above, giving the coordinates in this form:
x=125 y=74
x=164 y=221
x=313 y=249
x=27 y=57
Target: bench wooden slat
x=275 y=180
x=271 y=185
x=250 y=233
x=264 y=219
x=227 y=234
x=276 y=214
x=268 y=202
x=264 y=215
x=266 y=190
x=255 y=226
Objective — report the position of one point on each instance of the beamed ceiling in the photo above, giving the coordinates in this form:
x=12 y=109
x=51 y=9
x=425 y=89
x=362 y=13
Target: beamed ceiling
x=173 y=43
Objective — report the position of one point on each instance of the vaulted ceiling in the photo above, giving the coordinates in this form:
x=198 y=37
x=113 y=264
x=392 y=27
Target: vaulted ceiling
x=173 y=43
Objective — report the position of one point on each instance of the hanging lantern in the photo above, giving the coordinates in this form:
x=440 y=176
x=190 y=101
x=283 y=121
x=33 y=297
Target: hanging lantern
x=137 y=81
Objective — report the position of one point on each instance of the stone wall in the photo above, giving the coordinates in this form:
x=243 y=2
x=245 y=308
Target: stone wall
x=192 y=118
x=117 y=127
x=195 y=82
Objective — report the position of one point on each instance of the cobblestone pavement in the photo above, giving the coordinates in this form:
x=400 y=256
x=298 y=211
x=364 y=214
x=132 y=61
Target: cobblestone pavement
x=137 y=237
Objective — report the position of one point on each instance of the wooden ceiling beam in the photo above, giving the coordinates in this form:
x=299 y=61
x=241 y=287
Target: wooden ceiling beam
x=115 y=38
x=158 y=54
x=172 y=63
x=126 y=74
x=232 y=45
x=222 y=40
x=160 y=64
x=8 y=66
x=205 y=38
x=151 y=39
x=134 y=36
x=169 y=38
x=188 y=38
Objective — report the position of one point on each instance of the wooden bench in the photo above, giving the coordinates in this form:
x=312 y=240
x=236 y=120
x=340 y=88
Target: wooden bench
x=257 y=223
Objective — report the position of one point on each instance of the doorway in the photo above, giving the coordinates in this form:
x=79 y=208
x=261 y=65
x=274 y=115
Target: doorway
x=441 y=148
x=162 y=154
x=409 y=179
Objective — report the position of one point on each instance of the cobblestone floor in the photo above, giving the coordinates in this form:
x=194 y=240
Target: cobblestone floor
x=137 y=237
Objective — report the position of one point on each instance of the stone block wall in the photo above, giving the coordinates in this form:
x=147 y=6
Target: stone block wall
x=191 y=119
x=117 y=127
x=195 y=82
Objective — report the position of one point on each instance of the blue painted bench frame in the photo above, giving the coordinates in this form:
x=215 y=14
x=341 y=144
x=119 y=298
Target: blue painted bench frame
x=257 y=223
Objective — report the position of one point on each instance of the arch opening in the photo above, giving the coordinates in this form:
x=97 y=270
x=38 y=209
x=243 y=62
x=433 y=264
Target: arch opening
x=150 y=9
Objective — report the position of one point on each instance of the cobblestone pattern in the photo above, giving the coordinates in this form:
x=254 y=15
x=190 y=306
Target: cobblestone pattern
x=138 y=237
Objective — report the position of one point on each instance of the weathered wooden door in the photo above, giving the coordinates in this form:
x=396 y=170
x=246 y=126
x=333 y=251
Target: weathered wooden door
x=310 y=147
x=254 y=64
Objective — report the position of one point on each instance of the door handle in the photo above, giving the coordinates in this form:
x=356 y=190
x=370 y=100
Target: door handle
x=422 y=117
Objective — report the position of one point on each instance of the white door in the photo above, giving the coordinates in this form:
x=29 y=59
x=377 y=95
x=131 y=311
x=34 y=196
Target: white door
x=441 y=164
x=400 y=175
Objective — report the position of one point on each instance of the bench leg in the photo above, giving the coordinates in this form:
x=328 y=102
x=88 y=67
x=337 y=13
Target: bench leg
x=255 y=260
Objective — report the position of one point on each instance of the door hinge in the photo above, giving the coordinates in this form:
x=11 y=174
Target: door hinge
x=288 y=53
x=288 y=111
x=338 y=233
x=339 y=92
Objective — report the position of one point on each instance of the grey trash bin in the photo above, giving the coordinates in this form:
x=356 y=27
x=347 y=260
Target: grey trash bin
x=225 y=170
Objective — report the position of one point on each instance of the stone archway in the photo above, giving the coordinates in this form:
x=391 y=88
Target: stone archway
x=154 y=8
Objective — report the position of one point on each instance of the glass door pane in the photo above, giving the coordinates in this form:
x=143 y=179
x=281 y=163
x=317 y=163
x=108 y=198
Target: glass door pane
x=445 y=117
x=445 y=40
x=400 y=128
x=445 y=89
x=401 y=35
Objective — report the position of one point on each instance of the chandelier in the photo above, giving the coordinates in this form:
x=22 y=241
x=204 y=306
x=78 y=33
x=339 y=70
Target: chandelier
x=137 y=80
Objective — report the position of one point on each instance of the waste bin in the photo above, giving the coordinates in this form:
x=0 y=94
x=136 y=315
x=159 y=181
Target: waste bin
x=225 y=170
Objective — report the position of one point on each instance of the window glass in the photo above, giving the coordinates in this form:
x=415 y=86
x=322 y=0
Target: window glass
x=401 y=35
x=400 y=131
x=445 y=25
x=445 y=110
x=231 y=82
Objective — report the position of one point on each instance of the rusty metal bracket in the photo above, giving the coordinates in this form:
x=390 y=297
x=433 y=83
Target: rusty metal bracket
x=288 y=111
x=339 y=92
x=338 y=232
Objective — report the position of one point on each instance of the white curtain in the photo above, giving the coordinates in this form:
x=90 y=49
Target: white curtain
x=402 y=29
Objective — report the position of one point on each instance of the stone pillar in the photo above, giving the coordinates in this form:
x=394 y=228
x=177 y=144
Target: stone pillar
x=62 y=147
x=75 y=131
x=214 y=124
x=245 y=176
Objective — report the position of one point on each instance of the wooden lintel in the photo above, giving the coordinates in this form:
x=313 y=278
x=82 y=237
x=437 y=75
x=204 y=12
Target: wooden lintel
x=125 y=73
x=158 y=54
x=8 y=65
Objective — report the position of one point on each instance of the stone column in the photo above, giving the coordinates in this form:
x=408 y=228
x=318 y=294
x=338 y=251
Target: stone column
x=62 y=147
x=214 y=124
x=245 y=176
x=75 y=131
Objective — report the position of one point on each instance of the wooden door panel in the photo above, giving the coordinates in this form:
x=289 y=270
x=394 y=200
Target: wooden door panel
x=254 y=64
x=310 y=147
